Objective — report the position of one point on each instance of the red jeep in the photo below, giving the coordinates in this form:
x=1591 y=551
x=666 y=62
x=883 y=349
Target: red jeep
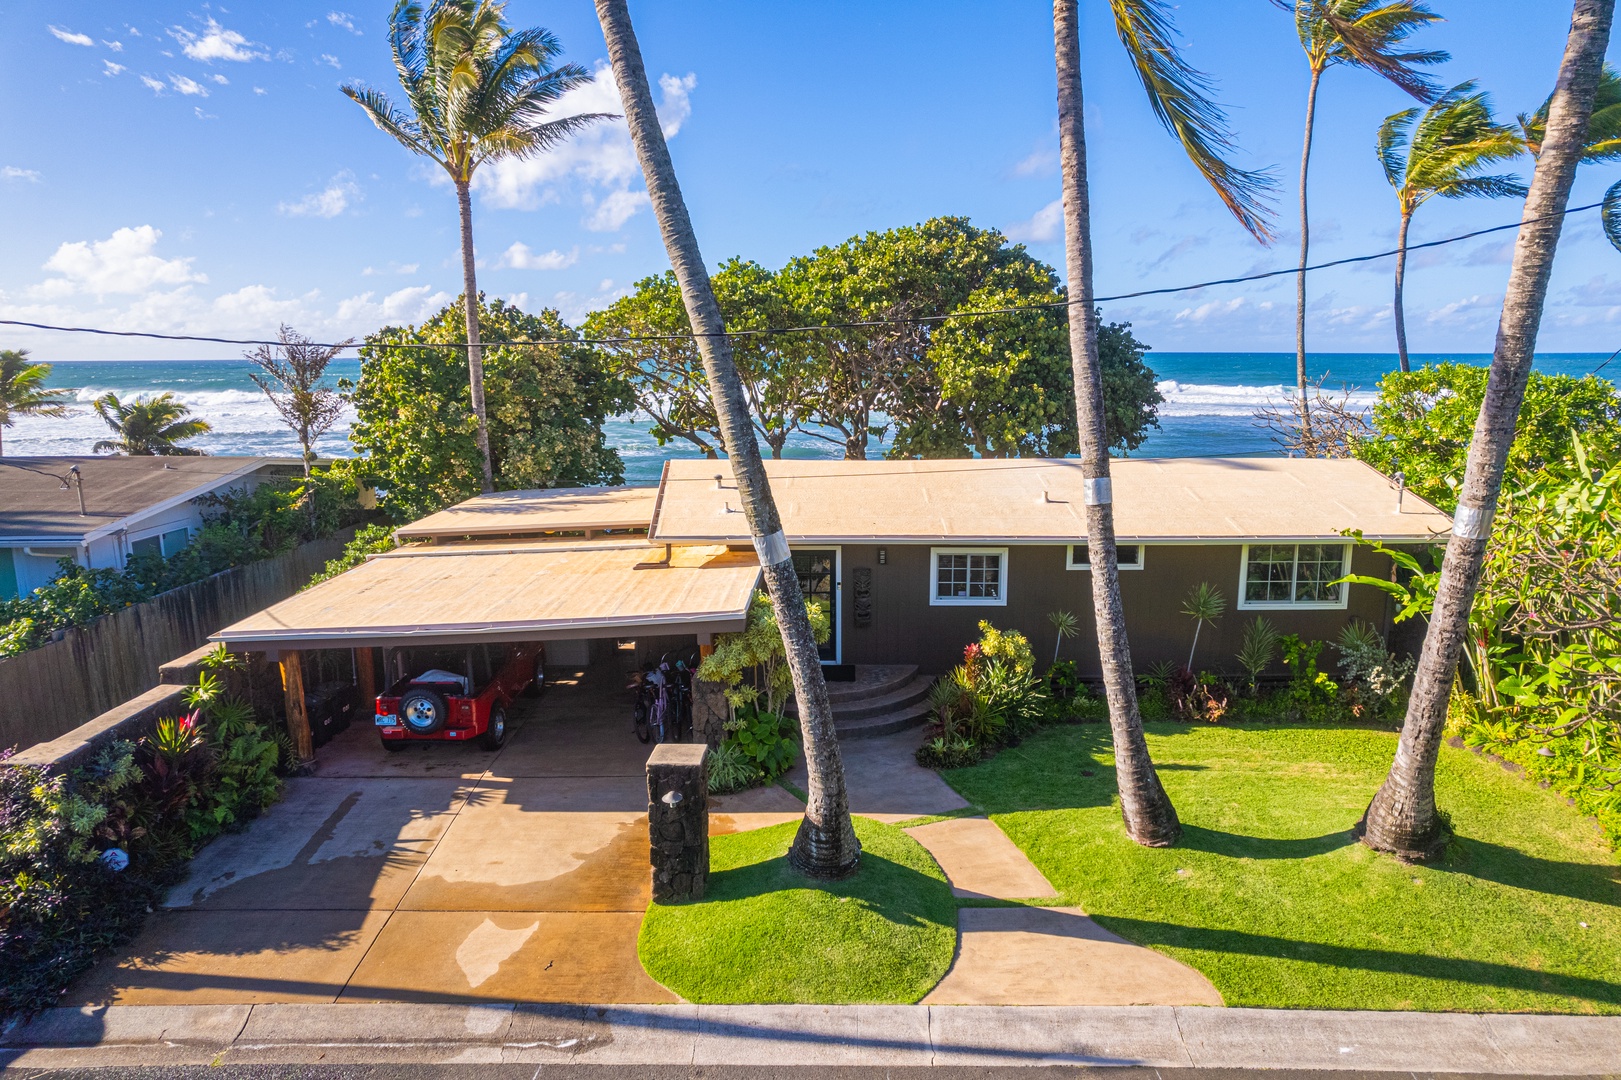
x=456 y=695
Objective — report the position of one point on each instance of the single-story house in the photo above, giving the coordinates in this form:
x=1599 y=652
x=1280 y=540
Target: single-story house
x=98 y=511
x=910 y=555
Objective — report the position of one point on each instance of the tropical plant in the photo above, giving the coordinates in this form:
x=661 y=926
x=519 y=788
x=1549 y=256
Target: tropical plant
x=826 y=844
x=154 y=426
x=765 y=742
x=1402 y=818
x=368 y=540
x=751 y=666
x=23 y=391
x=546 y=404
x=1180 y=98
x=1443 y=151
x=1367 y=34
x=1374 y=673
x=730 y=769
x=1065 y=626
x=478 y=91
x=291 y=376
x=1422 y=423
x=1259 y=649
x=1204 y=604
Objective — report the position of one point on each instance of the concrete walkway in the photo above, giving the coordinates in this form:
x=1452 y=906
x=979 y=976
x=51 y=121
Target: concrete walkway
x=689 y=1036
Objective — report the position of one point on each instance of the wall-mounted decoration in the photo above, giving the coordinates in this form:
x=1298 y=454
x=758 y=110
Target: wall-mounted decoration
x=863 y=596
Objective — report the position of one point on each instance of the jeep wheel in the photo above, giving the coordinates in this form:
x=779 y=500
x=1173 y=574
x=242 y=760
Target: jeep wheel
x=496 y=734
x=538 y=683
x=423 y=711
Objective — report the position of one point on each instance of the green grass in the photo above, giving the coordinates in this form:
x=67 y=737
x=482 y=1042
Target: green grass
x=764 y=934
x=1269 y=895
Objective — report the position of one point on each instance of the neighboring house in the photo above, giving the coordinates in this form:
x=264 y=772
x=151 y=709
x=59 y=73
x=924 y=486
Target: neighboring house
x=910 y=555
x=97 y=511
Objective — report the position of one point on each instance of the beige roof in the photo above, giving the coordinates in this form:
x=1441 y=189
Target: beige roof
x=1041 y=500
x=513 y=592
x=551 y=510
x=34 y=504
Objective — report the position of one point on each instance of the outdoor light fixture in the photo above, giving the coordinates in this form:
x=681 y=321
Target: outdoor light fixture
x=883 y=556
x=671 y=798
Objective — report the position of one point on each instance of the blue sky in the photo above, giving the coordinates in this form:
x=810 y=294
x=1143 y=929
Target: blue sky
x=193 y=168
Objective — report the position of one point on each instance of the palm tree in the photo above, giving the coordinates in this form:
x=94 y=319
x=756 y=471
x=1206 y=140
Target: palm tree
x=1359 y=33
x=478 y=91
x=826 y=844
x=1442 y=151
x=1603 y=130
x=1180 y=97
x=23 y=391
x=1402 y=818
x=151 y=426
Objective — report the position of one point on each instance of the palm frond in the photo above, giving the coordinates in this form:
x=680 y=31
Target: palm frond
x=1369 y=34
x=1610 y=213
x=1394 y=135
x=389 y=117
x=1603 y=129
x=1484 y=187
x=1181 y=97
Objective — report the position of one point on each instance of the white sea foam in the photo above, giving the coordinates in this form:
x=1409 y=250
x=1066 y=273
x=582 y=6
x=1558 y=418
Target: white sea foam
x=1215 y=399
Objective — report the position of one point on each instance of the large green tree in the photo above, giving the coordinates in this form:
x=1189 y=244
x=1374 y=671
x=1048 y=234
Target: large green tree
x=416 y=427
x=1423 y=421
x=476 y=91
x=23 y=391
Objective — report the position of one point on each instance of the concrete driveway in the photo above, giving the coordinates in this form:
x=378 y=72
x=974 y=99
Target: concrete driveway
x=439 y=873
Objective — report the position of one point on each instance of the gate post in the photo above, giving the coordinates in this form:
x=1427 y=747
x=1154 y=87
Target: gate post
x=678 y=820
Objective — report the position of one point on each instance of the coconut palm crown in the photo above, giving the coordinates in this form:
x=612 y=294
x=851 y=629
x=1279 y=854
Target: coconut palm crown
x=1603 y=130
x=153 y=426
x=23 y=391
x=1443 y=151
x=476 y=91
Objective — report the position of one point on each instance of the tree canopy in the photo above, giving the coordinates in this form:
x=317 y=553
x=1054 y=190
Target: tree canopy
x=1423 y=420
x=415 y=425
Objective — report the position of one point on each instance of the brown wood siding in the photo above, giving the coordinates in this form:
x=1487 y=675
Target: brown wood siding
x=906 y=628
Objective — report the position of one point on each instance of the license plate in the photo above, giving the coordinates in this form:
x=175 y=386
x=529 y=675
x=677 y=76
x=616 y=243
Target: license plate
x=386 y=721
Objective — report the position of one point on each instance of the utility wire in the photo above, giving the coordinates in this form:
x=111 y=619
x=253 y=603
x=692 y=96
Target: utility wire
x=816 y=328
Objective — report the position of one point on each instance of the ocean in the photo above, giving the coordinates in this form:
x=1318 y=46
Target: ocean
x=1210 y=399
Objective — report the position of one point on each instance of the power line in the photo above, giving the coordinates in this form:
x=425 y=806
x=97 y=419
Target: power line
x=819 y=327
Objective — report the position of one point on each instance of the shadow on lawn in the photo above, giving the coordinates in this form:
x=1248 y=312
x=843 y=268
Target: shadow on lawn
x=891 y=890
x=1475 y=972
x=1239 y=846
x=1594 y=882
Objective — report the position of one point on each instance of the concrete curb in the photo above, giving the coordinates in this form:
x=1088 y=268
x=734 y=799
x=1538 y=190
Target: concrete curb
x=811 y=1035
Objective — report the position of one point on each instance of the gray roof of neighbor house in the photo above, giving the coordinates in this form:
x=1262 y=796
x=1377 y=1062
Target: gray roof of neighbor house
x=38 y=503
x=1042 y=500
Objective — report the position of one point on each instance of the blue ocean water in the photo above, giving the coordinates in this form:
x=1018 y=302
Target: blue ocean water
x=1210 y=399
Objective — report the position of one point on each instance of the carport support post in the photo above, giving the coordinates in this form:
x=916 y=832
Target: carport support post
x=678 y=820
x=298 y=716
x=366 y=679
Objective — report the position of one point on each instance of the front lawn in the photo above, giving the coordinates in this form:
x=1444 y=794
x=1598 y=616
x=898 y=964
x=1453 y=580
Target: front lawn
x=1270 y=897
x=764 y=934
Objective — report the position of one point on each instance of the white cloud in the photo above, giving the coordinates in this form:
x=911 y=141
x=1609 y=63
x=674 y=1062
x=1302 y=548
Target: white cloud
x=521 y=257
x=1221 y=310
x=260 y=90
x=574 y=307
x=115 y=46
x=125 y=262
x=157 y=86
x=393 y=268
x=331 y=201
x=221 y=79
x=408 y=305
x=217 y=43
x=343 y=19
x=1045 y=226
x=189 y=87
x=198 y=109
x=112 y=68
x=616 y=209
x=11 y=172
x=330 y=60
x=70 y=37
x=600 y=160
x=1041 y=160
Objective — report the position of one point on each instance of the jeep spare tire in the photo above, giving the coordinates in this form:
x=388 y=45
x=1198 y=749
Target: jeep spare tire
x=423 y=711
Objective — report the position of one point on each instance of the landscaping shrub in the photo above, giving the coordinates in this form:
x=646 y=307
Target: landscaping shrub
x=85 y=855
x=992 y=699
x=757 y=748
x=368 y=540
x=239 y=527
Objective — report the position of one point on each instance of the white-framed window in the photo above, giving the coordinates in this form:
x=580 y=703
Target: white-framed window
x=1293 y=576
x=1127 y=557
x=968 y=576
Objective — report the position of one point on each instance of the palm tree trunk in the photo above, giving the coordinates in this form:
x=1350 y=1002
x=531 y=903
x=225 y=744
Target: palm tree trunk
x=1196 y=628
x=1402 y=818
x=1401 y=269
x=1300 y=278
x=475 y=350
x=1150 y=818
x=826 y=846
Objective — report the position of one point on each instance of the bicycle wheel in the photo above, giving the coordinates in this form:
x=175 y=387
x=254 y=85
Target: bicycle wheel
x=644 y=732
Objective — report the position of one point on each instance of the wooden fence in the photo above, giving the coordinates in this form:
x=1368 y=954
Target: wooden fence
x=49 y=691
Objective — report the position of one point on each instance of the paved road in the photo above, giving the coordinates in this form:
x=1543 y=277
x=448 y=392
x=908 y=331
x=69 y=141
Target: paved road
x=706 y=1072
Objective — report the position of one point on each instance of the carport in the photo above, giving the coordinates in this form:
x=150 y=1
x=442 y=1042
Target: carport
x=490 y=591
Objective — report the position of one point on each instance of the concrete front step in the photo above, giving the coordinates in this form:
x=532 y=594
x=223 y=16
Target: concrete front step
x=894 y=701
x=872 y=680
x=889 y=723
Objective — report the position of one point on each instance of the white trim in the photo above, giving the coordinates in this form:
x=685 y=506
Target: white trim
x=1291 y=604
x=838 y=597
x=1071 y=564
x=936 y=600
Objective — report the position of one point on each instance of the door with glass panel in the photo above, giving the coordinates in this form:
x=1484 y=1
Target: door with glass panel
x=818 y=572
